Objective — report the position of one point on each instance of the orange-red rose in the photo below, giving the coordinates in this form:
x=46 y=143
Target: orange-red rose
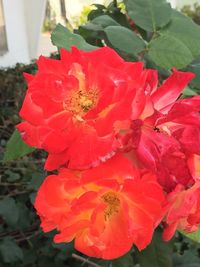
x=74 y=106
x=105 y=210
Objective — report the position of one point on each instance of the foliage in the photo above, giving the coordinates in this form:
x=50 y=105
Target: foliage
x=162 y=38
x=158 y=254
x=192 y=11
x=21 y=148
x=63 y=34
x=82 y=18
x=169 y=36
x=48 y=25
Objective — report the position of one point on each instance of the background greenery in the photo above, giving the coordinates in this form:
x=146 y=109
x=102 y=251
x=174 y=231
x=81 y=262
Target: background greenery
x=138 y=30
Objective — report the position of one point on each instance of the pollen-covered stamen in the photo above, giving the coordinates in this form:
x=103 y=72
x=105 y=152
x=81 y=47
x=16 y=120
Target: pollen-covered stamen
x=87 y=100
x=113 y=202
x=80 y=101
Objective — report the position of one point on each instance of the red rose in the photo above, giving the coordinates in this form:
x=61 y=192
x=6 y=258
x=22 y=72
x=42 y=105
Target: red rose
x=183 y=210
x=74 y=106
x=166 y=131
x=105 y=210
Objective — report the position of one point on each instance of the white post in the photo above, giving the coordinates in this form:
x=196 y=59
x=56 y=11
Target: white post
x=16 y=34
x=23 y=22
x=34 y=17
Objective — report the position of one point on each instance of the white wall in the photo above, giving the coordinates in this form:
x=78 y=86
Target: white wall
x=16 y=33
x=34 y=16
x=23 y=20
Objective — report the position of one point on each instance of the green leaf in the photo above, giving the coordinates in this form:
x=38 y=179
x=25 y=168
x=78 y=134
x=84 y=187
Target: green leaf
x=12 y=176
x=24 y=216
x=149 y=14
x=168 y=52
x=10 y=251
x=125 y=40
x=9 y=210
x=98 y=11
x=195 y=68
x=30 y=257
x=188 y=91
x=65 y=250
x=62 y=37
x=185 y=30
x=16 y=148
x=157 y=254
x=125 y=261
x=188 y=259
x=32 y=197
x=99 y=23
x=36 y=181
x=105 y=21
x=195 y=236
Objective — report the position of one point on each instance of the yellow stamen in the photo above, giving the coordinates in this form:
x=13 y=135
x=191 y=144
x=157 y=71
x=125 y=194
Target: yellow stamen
x=80 y=100
x=113 y=202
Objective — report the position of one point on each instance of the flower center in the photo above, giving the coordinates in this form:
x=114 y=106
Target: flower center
x=87 y=100
x=113 y=203
x=80 y=100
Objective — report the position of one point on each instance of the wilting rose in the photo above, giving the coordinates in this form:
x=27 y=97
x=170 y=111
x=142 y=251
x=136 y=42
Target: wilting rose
x=183 y=210
x=166 y=131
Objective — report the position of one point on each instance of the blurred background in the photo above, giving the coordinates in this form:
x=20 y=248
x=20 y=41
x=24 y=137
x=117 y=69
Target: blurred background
x=25 y=26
